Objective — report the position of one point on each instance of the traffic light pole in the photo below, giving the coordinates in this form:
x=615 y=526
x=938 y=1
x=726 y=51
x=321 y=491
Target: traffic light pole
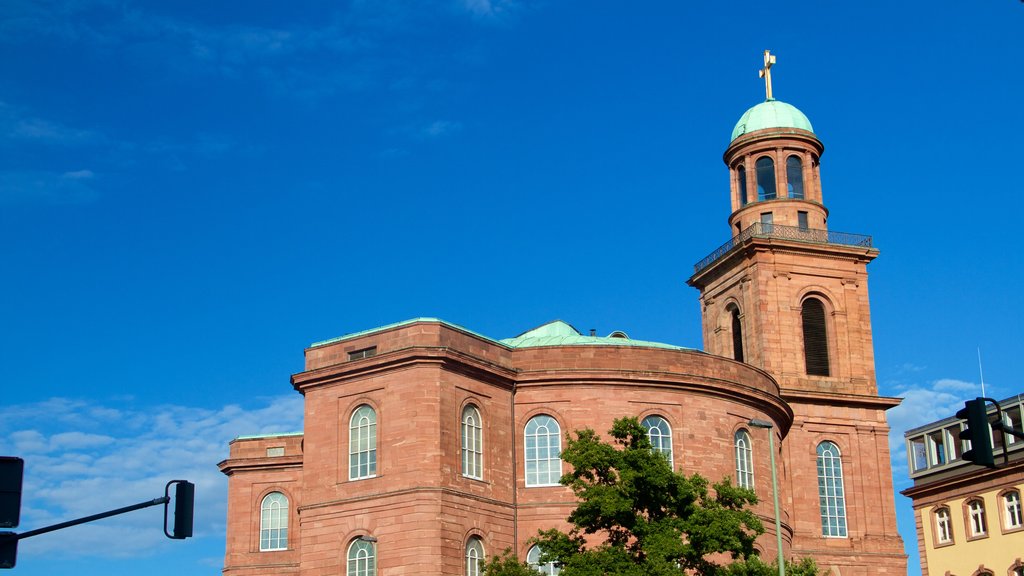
x=183 y=510
x=108 y=514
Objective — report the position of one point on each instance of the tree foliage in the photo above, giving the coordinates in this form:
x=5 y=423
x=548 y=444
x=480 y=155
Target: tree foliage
x=637 y=516
x=754 y=566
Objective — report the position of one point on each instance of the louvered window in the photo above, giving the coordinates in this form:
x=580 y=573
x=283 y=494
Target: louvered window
x=737 y=335
x=815 y=338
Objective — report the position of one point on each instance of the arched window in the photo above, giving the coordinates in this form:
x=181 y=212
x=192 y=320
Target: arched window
x=831 y=497
x=543 y=451
x=274 y=522
x=362 y=557
x=744 y=460
x=472 y=443
x=362 y=444
x=474 y=557
x=943 y=528
x=737 y=332
x=741 y=176
x=533 y=559
x=1012 y=518
x=976 y=522
x=794 y=178
x=815 y=337
x=765 y=167
x=660 y=435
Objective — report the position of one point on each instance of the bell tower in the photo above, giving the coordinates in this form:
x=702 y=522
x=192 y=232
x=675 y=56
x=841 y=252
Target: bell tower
x=785 y=293
x=790 y=296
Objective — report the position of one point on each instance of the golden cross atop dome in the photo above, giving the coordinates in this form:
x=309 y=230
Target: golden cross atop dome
x=766 y=73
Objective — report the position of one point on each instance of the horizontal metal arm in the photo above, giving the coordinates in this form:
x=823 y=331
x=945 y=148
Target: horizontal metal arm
x=69 y=523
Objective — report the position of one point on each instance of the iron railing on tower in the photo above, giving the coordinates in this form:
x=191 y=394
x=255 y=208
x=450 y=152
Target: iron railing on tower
x=795 y=233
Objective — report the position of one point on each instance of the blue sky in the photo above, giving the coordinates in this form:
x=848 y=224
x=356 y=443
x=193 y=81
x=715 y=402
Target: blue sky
x=192 y=192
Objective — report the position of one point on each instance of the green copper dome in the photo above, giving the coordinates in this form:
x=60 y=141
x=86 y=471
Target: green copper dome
x=771 y=114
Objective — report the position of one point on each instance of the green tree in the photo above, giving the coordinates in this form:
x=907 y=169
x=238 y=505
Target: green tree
x=754 y=566
x=653 y=520
x=508 y=565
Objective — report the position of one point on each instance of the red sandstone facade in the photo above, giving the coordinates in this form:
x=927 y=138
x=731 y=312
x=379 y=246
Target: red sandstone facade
x=419 y=511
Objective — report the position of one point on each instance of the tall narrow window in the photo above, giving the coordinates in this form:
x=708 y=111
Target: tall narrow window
x=767 y=220
x=943 y=529
x=362 y=558
x=543 y=451
x=474 y=557
x=660 y=435
x=976 y=518
x=362 y=444
x=765 y=169
x=741 y=175
x=533 y=559
x=274 y=522
x=815 y=337
x=744 y=460
x=1012 y=510
x=794 y=178
x=831 y=497
x=472 y=443
x=737 y=333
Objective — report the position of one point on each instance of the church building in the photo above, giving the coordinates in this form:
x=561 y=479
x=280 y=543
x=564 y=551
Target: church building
x=428 y=446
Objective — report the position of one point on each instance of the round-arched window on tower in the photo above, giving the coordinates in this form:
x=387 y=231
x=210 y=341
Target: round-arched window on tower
x=741 y=177
x=812 y=314
x=765 y=178
x=794 y=178
x=737 y=333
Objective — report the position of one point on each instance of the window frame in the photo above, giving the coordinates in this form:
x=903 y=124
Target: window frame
x=664 y=434
x=471 y=434
x=1007 y=513
x=533 y=559
x=975 y=517
x=278 y=513
x=762 y=190
x=557 y=446
x=789 y=180
x=831 y=491
x=943 y=516
x=369 y=560
x=741 y=177
x=475 y=551
x=736 y=331
x=825 y=349
x=743 y=448
x=356 y=463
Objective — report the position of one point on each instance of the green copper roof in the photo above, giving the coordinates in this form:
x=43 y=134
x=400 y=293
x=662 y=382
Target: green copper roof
x=555 y=333
x=771 y=114
x=559 y=333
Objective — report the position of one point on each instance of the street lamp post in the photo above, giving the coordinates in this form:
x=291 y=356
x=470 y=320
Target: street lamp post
x=757 y=423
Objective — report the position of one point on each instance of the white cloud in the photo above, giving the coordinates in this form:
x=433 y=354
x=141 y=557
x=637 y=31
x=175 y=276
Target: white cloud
x=923 y=404
x=83 y=457
x=47 y=187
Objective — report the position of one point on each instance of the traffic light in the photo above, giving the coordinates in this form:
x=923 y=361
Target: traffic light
x=978 y=431
x=184 y=504
x=8 y=549
x=12 y=470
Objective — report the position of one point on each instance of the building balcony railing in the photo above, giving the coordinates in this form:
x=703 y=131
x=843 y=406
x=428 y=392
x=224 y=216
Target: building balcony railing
x=762 y=230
